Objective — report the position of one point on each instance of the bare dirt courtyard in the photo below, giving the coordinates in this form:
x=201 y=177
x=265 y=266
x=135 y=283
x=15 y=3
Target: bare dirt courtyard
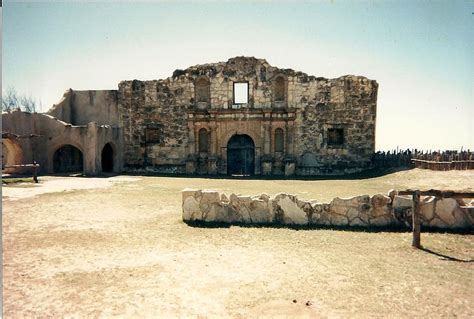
x=117 y=247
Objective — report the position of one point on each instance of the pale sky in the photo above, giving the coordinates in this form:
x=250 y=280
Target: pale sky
x=421 y=53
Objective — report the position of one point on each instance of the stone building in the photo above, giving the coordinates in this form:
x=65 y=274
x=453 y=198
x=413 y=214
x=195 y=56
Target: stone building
x=240 y=117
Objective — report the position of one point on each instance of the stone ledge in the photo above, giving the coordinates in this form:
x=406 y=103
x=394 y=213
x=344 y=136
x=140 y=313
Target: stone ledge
x=379 y=210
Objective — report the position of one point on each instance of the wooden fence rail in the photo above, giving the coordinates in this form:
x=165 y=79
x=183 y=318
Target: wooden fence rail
x=35 y=167
x=443 y=166
x=435 y=160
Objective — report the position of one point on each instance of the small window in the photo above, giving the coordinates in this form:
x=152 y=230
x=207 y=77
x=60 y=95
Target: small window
x=279 y=140
x=335 y=136
x=241 y=92
x=203 y=140
x=153 y=135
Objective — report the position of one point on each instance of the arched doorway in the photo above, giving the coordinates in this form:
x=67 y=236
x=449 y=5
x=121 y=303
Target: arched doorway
x=241 y=155
x=107 y=158
x=12 y=154
x=68 y=159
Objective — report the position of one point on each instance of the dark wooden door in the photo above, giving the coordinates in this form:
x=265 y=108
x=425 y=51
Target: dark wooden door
x=241 y=155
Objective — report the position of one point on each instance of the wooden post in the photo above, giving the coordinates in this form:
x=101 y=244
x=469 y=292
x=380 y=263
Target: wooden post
x=35 y=172
x=416 y=220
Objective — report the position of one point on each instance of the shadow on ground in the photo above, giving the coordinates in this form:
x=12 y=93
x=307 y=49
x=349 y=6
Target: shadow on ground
x=372 y=229
x=446 y=257
x=355 y=176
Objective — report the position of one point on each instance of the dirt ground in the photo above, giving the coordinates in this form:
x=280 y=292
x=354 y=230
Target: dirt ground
x=117 y=247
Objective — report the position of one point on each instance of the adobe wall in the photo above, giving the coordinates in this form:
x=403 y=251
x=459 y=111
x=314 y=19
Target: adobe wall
x=367 y=211
x=83 y=107
x=39 y=135
x=87 y=120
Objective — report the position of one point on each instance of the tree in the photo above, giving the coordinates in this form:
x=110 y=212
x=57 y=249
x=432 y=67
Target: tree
x=27 y=104
x=11 y=100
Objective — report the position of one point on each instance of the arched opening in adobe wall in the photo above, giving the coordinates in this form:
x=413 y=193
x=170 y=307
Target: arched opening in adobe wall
x=68 y=159
x=12 y=154
x=107 y=158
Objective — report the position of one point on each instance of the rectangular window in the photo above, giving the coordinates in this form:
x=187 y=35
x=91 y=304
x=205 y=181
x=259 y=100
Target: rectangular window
x=335 y=136
x=153 y=135
x=241 y=92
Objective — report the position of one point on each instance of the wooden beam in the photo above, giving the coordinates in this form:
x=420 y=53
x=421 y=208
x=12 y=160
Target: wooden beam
x=21 y=165
x=440 y=162
x=438 y=193
x=34 y=165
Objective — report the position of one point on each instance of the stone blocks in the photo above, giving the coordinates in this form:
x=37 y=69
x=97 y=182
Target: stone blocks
x=284 y=209
x=201 y=97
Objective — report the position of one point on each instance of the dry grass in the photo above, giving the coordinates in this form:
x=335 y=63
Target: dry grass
x=124 y=251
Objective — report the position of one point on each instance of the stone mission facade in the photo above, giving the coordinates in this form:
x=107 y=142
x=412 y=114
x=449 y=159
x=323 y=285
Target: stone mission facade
x=240 y=117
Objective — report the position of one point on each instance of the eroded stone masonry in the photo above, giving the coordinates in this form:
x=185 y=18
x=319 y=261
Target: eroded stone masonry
x=242 y=117
x=379 y=210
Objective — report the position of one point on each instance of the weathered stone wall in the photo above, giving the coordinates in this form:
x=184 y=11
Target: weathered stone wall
x=155 y=104
x=368 y=211
x=347 y=103
x=304 y=106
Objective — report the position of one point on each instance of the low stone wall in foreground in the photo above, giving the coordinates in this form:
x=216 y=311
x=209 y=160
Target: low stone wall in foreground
x=378 y=210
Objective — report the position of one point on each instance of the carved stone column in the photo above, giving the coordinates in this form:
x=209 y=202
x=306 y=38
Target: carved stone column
x=196 y=140
x=267 y=143
x=289 y=139
x=212 y=159
x=213 y=136
x=192 y=139
x=267 y=146
x=191 y=158
x=290 y=162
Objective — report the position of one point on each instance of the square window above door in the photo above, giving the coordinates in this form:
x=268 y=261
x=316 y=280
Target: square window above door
x=241 y=92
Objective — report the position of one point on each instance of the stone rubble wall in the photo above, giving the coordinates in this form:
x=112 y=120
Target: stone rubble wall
x=348 y=103
x=160 y=104
x=378 y=210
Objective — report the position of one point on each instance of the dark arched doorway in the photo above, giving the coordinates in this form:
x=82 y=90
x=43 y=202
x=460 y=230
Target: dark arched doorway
x=241 y=155
x=107 y=158
x=68 y=159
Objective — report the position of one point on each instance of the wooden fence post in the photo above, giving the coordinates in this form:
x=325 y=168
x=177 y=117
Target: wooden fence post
x=35 y=172
x=416 y=220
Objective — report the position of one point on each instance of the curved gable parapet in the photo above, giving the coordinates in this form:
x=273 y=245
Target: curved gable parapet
x=248 y=65
x=297 y=91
